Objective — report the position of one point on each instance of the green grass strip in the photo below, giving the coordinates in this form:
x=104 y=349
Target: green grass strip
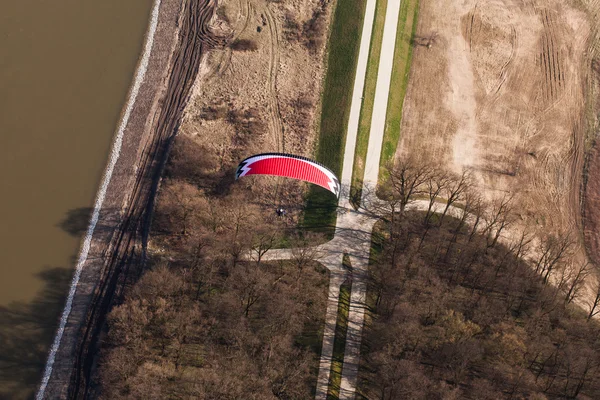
x=339 y=343
x=344 y=45
x=407 y=25
x=377 y=242
x=366 y=111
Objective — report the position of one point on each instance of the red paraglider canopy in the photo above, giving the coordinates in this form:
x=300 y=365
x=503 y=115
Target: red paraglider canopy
x=290 y=166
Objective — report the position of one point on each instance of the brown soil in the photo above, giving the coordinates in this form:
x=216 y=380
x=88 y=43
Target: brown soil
x=591 y=206
x=506 y=100
x=264 y=98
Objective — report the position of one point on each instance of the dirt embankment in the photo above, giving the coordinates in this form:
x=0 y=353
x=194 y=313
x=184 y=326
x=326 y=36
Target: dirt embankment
x=591 y=186
x=591 y=221
x=118 y=249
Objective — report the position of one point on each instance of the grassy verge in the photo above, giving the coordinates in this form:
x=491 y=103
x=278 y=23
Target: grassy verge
x=339 y=343
x=377 y=241
x=409 y=11
x=312 y=333
x=343 y=48
x=366 y=111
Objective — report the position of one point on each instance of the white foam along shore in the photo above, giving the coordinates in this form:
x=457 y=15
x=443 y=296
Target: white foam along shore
x=114 y=157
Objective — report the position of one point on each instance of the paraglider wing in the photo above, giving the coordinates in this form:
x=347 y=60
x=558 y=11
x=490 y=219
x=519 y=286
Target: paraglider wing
x=290 y=166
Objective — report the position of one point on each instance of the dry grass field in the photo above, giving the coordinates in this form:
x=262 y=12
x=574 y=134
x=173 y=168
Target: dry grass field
x=261 y=92
x=502 y=91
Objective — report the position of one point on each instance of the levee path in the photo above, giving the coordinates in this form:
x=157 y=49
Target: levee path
x=114 y=248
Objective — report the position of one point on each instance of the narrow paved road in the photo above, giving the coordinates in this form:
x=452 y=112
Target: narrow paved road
x=354 y=227
x=382 y=91
x=354 y=220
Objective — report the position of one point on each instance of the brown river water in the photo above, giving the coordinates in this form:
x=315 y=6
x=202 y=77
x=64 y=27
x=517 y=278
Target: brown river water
x=65 y=69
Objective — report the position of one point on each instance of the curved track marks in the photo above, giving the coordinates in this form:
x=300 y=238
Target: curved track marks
x=127 y=248
x=550 y=59
x=276 y=122
x=224 y=57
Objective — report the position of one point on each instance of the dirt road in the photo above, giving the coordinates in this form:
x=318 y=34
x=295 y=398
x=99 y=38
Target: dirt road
x=118 y=250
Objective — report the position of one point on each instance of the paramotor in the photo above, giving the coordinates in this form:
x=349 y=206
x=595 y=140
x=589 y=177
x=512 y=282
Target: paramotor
x=290 y=166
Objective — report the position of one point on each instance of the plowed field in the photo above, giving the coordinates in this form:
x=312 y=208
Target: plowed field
x=501 y=91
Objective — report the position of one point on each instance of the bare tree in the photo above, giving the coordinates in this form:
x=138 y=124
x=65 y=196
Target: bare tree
x=477 y=208
x=214 y=218
x=577 y=280
x=467 y=212
x=250 y=286
x=499 y=218
x=305 y=252
x=406 y=181
x=181 y=204
x=455 y=190
x=595 y=309
x=552 y=251
x=522 y=248
x=436 y=183
x=263 y=241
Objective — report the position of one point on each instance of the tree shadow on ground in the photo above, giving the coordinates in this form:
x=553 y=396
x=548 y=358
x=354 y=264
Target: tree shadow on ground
x=77 y=220
x=26 y=333
x=198 y=165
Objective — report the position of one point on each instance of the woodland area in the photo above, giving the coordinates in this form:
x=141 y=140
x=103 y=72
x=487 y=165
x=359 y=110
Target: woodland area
x=204 y=323
x=460 y=312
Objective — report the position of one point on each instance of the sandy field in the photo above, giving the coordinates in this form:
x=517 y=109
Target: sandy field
x=502 y=92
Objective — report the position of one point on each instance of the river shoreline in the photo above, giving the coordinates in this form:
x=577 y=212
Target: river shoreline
x=120 y=177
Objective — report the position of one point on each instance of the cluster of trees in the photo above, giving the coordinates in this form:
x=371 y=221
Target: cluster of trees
x=459 y=312
x=203 y=321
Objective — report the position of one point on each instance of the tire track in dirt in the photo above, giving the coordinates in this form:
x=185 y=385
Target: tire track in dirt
x=474 y=30
x=514 y=41
x=550 y=59
x=590 y=201
x=276 y=122
x=224 y=58
x=127 y=250
x=468 y=32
